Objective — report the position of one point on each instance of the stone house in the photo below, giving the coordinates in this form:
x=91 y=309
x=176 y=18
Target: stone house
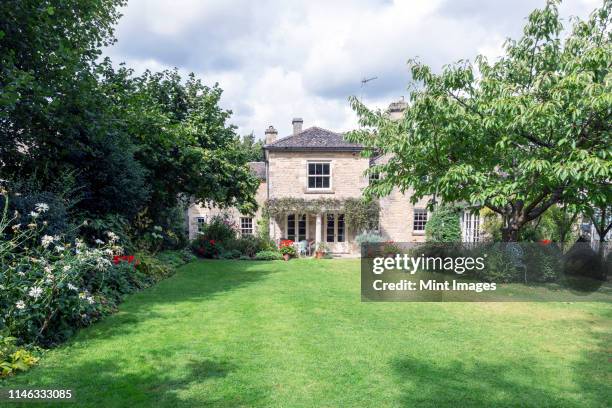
x=315 y=163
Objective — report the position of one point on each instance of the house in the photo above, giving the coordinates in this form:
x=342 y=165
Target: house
x=314 y=164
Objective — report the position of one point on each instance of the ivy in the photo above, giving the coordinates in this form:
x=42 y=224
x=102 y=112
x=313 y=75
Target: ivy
x=359 y=214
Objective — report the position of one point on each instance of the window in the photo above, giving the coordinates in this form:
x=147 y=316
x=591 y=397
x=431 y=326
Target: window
x=302 y=227
x=201 y=223
x=246 y=225
x=330 y=228
x=291 y=227
x=335 y=228
x=319 y=175
x=470 y=227
x=420 y=219
x=374 y=176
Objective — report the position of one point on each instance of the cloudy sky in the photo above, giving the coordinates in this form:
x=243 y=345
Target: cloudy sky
x=276 y=60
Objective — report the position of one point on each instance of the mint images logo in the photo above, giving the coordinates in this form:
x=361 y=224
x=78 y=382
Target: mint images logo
x=483 y=272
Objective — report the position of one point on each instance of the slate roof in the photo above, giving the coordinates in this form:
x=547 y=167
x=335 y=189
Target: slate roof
x=314 y=138
x=258 y=169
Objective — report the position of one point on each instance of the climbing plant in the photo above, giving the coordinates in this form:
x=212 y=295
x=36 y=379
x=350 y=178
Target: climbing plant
x=359 y=214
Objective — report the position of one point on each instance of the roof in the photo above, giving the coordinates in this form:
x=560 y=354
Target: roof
x=314 y=138
x=258 y=169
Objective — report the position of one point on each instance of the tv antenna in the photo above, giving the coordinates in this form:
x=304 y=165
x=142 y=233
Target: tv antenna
x=364 y=82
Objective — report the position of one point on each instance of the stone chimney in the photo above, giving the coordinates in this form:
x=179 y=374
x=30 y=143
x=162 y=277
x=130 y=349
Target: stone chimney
x=297 y=125
x=396 y=109
x=271 y=134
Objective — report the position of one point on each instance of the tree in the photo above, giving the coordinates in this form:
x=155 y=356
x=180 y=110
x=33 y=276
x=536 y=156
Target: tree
x=517 y=135
x=253 y=149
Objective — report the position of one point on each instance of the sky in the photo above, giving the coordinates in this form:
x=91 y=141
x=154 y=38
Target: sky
x=276 y=60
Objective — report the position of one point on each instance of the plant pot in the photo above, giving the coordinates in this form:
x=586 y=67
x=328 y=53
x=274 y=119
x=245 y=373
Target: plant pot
x=319 y=254
x=286 y=257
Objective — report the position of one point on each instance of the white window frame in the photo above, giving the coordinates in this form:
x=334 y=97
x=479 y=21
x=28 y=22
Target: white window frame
x=414 y=219
x=329 y=163
x=296 y=225
x=336 y=217
x=200 y=221
x=242 y=228
x=470 y=226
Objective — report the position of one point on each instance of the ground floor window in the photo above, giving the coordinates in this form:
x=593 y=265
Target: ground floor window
x=296 y=227
x=246 y=225
x=334 y=228
x=201 y=222
x=470 y=227
x=419 y=219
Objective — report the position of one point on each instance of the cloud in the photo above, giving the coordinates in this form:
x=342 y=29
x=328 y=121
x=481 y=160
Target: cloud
x=279 y=59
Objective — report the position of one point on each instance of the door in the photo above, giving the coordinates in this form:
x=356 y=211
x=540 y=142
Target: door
x=335 y=233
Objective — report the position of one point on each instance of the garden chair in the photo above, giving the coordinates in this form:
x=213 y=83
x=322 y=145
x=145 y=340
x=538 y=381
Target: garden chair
x=303 y=248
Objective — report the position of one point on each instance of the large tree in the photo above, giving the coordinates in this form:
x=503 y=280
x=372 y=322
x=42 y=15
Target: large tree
x=516 y=135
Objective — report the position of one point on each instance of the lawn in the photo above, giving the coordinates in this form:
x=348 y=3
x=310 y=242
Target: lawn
x=244 y=333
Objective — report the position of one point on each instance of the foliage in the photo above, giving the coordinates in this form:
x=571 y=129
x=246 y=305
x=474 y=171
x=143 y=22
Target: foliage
x=50 y=287
x=176 y=258
x=249 y=245
x=268 y=256
x=368 y=237
x=230 y=254
x=252 y=149
x=220 y=228
x=443 y=225
x=322 y=247
x=359 y=214
x=14 y=358
x=287 y=250
x=206 y=248
x=516 y=135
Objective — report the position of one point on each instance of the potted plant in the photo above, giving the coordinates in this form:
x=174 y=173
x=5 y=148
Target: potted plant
x=287 y=251
x=320 y=250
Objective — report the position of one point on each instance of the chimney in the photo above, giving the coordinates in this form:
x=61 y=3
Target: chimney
x=297 y=125
x=396 y=109
x=271 y=134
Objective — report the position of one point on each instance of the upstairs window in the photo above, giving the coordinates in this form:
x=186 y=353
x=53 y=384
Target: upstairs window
x=374 y=176
x=246 y=225
x=419 y=219
x=319 y=175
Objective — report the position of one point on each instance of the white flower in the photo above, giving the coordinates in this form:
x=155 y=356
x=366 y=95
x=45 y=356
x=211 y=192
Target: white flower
x=35 y=292
x=20 y=305
x=42 y=207
x=81 y=295
x=59 y=248
x=91 y=300
x=112 y=237
x=46 y=241
x=72 y=287
x=48 y=269
x=99 y=241
x=66 y=268
x=21 y=273
x=78 y=243
x=16 y=227
x=34 y=214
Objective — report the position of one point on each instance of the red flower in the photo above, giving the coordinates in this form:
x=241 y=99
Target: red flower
x=545 y=241
x=286 y=243
x=212 y=242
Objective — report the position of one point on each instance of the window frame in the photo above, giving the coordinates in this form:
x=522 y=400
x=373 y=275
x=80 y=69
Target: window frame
x=329 y=176
x=200 y=222
x=415 y=219
x=242 y=228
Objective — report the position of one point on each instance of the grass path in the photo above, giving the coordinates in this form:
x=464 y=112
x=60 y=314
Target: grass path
x=240 y=333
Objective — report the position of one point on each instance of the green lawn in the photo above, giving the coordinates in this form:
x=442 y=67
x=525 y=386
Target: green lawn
x=240 y=333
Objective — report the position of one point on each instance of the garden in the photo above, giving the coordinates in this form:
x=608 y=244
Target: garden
x=275 y=333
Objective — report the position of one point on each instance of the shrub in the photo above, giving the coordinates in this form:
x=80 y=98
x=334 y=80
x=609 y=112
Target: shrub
x=220 y=228
x=248 y=245
x=231 y=254
x=368 y=237
x=268 y=256
x=244 y=258
x=288 y=250
x=14 y=358
x=443 y=226
x=206 y=248
x=176 y=258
